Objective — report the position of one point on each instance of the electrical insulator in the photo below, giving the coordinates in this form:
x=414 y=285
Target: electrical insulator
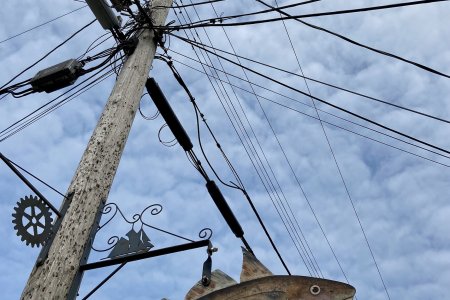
x=168 y=114
x=224 y=209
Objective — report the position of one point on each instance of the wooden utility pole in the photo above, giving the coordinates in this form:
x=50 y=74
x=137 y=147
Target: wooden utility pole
x=92 y=181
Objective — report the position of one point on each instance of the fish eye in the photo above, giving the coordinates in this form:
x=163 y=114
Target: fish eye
x=315 y=290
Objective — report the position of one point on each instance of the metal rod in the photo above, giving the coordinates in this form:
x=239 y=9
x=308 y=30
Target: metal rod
x=104 y=281
x=154 y=253
x=31 y=186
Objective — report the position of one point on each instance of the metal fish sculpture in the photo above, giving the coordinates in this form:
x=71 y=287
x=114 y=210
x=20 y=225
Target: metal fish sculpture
x=258 y=283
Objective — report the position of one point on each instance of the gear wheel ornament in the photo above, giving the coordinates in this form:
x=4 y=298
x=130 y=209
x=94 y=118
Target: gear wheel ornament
x=33 y=221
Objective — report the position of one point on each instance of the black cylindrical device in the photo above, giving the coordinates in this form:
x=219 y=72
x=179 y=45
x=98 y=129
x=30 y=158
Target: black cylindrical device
x=224 y=209
x=104 y=14
x=168 y=114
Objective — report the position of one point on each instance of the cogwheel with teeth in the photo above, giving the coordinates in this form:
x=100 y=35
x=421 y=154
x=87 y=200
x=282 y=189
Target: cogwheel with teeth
x=33 y=220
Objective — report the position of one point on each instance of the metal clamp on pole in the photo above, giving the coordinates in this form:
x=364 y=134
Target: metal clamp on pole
x=207 y=265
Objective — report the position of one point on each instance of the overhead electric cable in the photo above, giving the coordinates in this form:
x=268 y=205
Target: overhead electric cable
x=260 y=162
x=264 y=11
x=48 y=53
x=334 y=158
x=333 y=155
x=328 y=103
x=17 y=126
x=194 y=159
x=421 y=66
x=300 y=102
x=59 y=104
x=34 y=115
x=106 y=52
x=224 y=94
x=246 y=195
x=302 y=250
x=92 y=47
x=326 y=84
x=292 y=220
x=249 y=151
x=45 y=23
x=188 y=5
x=218 y=22
x=326 y=122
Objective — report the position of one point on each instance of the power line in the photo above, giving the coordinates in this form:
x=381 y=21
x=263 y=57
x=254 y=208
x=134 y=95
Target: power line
x=194 y=159
x=326 y=122
x=271 y=184
x=45 y=23
x=244 y=130
x=385 y=53
x=330 y=85
x=334 y=158
x=250 y=149
x=266 y=176
x=325 y=102
x=300 y=102
x=326 y=137
x=189 y=5
x=379 y=132
x=108 y=53
x=218 y=22
x=23 y=122
x=315 y=267
x=48 y=53
x=265 y=11
x=92 y=47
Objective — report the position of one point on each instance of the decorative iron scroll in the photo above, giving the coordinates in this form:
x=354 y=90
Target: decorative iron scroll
x=136 y=240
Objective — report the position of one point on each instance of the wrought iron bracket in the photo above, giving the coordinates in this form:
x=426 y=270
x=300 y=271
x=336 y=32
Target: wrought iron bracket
x=152 y=253
x=136 y=245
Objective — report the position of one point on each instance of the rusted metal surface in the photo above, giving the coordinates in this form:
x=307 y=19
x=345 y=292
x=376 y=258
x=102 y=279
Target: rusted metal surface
x=285 y=287
x=219 y=280
x=252 y=268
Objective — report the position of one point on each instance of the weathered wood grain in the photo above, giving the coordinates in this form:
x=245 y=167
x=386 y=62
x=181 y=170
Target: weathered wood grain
x=95 y=174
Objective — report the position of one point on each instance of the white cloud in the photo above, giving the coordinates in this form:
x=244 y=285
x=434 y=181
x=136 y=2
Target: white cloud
x=401 y=199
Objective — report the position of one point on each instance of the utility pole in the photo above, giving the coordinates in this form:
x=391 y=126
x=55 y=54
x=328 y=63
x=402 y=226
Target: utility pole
x=54 y=279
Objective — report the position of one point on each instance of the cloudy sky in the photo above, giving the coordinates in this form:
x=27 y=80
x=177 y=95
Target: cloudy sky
x=401 y=199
